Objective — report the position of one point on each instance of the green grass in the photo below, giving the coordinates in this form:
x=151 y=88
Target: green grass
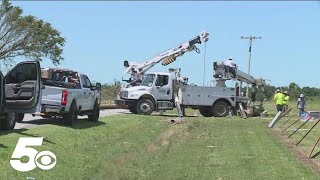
x=147 y=147
x=306 y=145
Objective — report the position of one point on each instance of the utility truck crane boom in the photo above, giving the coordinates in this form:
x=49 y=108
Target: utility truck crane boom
x=137 y=69
x=244 y=77
x=221 y=75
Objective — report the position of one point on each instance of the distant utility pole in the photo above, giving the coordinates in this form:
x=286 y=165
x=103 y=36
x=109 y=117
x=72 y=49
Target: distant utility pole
x=251 y=38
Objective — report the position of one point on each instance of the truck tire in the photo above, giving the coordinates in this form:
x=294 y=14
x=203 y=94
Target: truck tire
x=133 y=109
x=19 y=117
x=9 y=122
x=145 y=107
x=206 y=111
x=72 y=116
x=220 y=109
x=94 y=117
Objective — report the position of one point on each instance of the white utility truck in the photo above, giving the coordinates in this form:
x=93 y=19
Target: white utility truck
x=20 y=92
x=164 y=91
x=67 y=94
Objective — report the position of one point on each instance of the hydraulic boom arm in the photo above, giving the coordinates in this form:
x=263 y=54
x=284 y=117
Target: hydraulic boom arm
x=221 y=76
x=137 y=69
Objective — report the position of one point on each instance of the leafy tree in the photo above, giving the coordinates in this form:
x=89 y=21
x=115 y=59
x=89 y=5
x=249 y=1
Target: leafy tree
x=27 y=36
x=269 y=91
x=294 y=90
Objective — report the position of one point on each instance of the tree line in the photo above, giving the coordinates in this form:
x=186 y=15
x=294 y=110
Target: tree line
x=294 y=90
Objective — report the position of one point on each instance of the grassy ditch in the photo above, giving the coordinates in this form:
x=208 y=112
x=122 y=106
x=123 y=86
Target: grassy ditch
x=147 y=147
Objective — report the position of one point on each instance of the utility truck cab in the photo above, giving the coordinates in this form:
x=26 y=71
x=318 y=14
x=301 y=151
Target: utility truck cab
x=154 y=93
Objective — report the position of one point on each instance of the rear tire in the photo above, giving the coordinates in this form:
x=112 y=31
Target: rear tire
x=9 y=122
x=94 y=117
x=220 y=109
x=19 y=117
x=145 y=107
x=206 y=111
x=72 y=116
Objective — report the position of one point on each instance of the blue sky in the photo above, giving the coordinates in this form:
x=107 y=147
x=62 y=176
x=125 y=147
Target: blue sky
x=101 y=34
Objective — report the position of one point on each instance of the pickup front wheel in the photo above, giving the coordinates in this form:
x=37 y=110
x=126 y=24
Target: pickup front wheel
x=95 y=113
x=19 y=117
x=145 y=106
x=9 y=122
x=72 y=115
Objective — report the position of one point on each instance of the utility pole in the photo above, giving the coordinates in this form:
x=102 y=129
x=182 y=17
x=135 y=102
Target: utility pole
x=250 y=38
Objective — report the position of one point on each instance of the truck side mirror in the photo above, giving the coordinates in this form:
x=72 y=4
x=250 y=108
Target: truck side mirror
x=98 y=86
x=126 y=64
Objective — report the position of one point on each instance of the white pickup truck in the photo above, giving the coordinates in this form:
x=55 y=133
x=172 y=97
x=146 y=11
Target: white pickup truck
x=20 y=92
x=67 y=94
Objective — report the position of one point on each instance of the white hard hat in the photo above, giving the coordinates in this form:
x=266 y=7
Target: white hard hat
x=286 y=92
x=301 y=95
x=278 y=90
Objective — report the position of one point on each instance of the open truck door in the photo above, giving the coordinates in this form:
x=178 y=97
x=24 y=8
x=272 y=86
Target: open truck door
x=22 y=90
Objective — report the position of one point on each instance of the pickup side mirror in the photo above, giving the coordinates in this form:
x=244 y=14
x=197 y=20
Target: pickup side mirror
x=98 y=86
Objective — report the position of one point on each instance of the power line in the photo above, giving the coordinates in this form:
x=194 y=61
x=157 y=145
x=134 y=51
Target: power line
x=250 y=38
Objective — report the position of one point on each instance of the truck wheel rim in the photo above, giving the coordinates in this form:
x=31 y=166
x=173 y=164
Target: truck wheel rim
x=145 y=107
x=221 y=109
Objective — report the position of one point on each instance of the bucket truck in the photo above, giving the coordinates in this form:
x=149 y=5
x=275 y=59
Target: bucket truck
x=138 y=69
x=164 y=91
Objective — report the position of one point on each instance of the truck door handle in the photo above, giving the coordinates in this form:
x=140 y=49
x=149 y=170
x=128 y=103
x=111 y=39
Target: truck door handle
x=89 y=92
x=84 y=93
x=17 y=87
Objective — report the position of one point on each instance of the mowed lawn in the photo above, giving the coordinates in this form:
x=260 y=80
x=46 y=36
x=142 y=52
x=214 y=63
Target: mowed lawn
x=148 y=147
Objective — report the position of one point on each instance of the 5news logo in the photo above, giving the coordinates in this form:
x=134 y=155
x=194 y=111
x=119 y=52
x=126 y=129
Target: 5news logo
x=44 y=160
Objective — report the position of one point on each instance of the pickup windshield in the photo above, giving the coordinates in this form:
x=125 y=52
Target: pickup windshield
x=148 y=80
x=60 y=78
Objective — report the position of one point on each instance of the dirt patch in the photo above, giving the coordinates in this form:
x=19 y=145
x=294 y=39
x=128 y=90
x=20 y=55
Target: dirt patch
x=122 y=159
x=165 y=138
x=297 y=152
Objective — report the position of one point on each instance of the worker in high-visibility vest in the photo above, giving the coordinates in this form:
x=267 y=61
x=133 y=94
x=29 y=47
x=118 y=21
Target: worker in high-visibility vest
x=278 y=98
x=286 y=101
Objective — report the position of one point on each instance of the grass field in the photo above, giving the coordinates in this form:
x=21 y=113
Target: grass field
x=147 y=147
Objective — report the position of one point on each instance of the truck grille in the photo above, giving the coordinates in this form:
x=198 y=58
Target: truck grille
x=124 y=94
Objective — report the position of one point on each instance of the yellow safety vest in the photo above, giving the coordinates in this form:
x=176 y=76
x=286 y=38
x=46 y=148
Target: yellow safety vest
x=279 y=97
x=286 y=100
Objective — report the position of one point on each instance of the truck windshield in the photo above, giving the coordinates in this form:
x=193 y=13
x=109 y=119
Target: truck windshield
x=148 y=80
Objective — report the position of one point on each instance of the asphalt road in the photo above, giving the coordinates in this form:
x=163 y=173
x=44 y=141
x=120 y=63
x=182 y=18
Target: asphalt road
x=29 y=121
